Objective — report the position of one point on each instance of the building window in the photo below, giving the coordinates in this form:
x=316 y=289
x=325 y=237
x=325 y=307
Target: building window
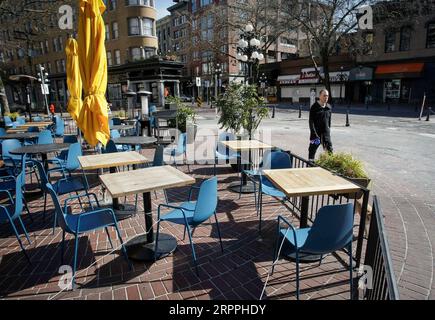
x=107 y=32
x=56 y=44
x=109 y=59
x=117 y=57
x=368 y=43
x=141 y=27
x=136 y=54
x=133 y=27
x=149 y=52
x=405 y=39
x=149 y=3
x=113 y=5
x=390 y=41
x=205 y=2
x=430 y=35
x=115 y=30
x=148 y=27
x=193 y=3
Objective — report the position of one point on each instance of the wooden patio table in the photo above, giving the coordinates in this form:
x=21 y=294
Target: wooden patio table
x=112 y=161
x=144 y=181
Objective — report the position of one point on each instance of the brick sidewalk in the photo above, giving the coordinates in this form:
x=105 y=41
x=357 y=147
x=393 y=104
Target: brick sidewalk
x=239 y=273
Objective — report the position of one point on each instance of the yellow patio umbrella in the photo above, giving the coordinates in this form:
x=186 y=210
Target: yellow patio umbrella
x=73 y=79
x=93 y=118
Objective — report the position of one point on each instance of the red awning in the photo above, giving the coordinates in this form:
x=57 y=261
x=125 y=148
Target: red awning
x=400 y=68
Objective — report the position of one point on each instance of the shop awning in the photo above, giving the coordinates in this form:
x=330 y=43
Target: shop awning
x=399 y=70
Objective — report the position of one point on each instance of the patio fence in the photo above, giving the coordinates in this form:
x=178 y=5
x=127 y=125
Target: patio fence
x=378 y=257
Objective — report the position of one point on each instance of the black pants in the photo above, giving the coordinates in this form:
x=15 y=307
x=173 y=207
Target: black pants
x=312 y=149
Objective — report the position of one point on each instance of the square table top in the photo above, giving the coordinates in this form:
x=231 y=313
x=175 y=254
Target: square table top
x=144 y=180
x=242 y=145
x=309 y=181
x=107 y=160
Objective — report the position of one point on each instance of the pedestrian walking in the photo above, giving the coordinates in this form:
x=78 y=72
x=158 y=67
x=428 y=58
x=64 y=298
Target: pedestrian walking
x=320 y=125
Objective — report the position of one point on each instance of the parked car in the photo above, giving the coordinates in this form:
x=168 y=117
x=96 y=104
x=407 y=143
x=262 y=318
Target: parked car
x=186 y=98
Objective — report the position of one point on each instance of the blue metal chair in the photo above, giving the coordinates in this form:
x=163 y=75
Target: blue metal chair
x=116 y=121
x=33 y=129
x=37 y=119
x=88 y=221
x=272 y=160
x=62 y=186
x=45 y=137
x=111 y=123
x=63 y=155
x=71 y=163
x=2 y=131
x=332 y=230
x=110 y=147
x=180 y=149
x=12 y=211
x=11 y=160
x=21 y=120
x=8 y=121
x=222 y=153
x=114 y=134
x=193 y=213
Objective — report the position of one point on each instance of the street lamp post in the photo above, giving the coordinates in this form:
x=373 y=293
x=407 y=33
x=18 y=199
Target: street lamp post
x=341 y=78
x=43 y=79
x=263 y=82
x=248 y=50
x=217 y=75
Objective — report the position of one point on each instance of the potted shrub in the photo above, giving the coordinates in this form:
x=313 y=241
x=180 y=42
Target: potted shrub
x=241 y=107
x=346 y=165
x=185 y=114
x=172 y=103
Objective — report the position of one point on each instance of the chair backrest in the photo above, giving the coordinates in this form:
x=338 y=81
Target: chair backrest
x=225 y=136
x=8 y=145
x=116 y=121
x=277 y=160
x=8 y=120
x=21 y=120
x=37 y=119
x=181 y=145
x=114 y=134
x=332 y=229
x=72 y=161
x=110 y=147
x=2 y=131
x=45 y=137
x=70 y=138
x=152 y=108
x=110 y=123
x=33 y=129
x=158 y=156
x=61 y=219
x=207 y=200
x=60 y=127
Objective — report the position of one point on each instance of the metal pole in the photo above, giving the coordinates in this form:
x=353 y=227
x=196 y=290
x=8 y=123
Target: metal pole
x=347 y=117
x=300 y=111
x=429 y=110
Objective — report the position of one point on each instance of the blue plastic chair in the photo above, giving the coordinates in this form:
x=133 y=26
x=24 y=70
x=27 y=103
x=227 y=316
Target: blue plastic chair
x=8 y=121
x=88 y=221
x=332 y=230
x=110 y=147
x=62 y=186
x=37 y=119
x=111 y=123
x=60 y=127
x=33 y=129
x=116 y=121
x=114 y=134
x=193 y=213
x=2 y=131
x=272 y=160
x=70 y=164
x=11 y=212
x=180 y=149
x=222 y=153
x=21 y=120
x=11 y=160
x=64 y=153
x=45 y=137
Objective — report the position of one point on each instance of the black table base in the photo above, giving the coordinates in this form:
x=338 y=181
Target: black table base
x=141 y=250
x=246 y=188
x=125 y=211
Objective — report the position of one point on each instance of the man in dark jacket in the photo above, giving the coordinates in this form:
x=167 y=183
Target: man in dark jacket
x=320 y=125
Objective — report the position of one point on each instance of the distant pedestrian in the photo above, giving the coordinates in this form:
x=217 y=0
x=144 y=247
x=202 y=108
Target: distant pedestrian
x=320 y=125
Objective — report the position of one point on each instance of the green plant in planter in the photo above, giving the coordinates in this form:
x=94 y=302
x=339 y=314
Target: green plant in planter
x=342 y=163
x=241 y=107
x=172 y=99
x=185 y=113
x=12 y=115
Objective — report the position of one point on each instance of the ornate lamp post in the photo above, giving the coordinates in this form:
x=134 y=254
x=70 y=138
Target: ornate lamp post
x=248 y=49
x=217 y=75
x=263 y=83
x=341 y=78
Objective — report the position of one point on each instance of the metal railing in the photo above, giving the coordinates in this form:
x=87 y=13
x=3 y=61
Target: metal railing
x=377 y=257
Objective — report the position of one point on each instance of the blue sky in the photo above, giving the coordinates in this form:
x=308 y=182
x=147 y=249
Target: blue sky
x=161 y=6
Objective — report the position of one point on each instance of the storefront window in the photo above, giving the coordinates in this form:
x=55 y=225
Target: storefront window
x=392 y=89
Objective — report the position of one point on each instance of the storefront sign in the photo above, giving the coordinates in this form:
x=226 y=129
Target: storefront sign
x=361 y=74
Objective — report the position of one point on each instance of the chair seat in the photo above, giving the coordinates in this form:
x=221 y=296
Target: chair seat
x=271 y=191
x=176 y=215
x=230 y=156
x=7 y=184
x=94 y=221
x=301 y=236
x=68 y=186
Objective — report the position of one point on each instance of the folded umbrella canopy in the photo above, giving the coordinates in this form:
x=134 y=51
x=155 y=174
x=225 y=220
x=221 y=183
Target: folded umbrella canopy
x=93 y=118
x=73 y=79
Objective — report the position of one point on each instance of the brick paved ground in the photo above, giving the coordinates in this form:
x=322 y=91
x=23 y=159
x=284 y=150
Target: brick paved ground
x=238 y=273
